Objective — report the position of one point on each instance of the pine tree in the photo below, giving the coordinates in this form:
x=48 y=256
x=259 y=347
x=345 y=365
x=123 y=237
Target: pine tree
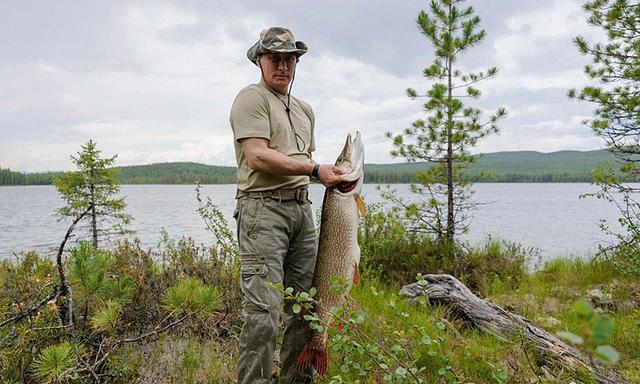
x=93 y=187
x=616 y=95
x=450 y=129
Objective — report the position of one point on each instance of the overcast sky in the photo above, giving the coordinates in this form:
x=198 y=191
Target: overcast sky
x=154 y=81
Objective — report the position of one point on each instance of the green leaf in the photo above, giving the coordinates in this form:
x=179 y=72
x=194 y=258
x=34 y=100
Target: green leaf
x=608 y=354
x=310 y=318
x=601 y=330
x=584 y=309
x=402 y=372
x=312 y=291
x=296 y=308
x=571 y=337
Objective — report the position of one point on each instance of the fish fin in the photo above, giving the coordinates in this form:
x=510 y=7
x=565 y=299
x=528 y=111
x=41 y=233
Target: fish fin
x=360 y=204
x=314 y=354
x=356 y=275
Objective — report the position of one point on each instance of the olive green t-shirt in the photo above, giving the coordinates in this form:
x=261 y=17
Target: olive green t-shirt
x=259 y=112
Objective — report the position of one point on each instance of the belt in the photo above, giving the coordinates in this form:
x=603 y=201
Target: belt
x=301 y=195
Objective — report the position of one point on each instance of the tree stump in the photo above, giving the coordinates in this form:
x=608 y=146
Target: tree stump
x=488 y=317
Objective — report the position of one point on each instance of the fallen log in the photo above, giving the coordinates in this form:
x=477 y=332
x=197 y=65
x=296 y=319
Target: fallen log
x=488 y=317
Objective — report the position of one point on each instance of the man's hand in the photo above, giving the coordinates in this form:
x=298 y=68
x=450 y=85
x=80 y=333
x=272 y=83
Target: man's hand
x=330 y=175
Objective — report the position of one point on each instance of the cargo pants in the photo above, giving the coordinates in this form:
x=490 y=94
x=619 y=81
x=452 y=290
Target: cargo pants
x=278 y=244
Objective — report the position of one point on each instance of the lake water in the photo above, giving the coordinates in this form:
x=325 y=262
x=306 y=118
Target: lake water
x=550 y=217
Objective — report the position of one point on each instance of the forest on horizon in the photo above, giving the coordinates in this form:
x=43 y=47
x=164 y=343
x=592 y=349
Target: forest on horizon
x=507 y=167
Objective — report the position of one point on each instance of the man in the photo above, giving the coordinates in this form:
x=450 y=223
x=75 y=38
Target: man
x=274 y=139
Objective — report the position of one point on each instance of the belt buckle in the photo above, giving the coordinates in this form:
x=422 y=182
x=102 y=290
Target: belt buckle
x=301 y=195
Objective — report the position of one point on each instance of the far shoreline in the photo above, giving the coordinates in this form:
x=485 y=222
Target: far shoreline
x=203 y=184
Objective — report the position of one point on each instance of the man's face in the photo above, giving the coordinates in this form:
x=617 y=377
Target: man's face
x=277 y=69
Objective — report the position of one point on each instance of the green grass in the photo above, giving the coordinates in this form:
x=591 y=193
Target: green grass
x=179 y=359
x=551 y=293
x=201 y=352
x=545 y=297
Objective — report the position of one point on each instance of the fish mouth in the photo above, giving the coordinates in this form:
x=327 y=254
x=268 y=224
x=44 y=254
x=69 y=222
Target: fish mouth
x=352 y=159
x=347 y=186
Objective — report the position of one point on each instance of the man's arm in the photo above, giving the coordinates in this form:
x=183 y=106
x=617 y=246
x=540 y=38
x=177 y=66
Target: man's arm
x=261 y=158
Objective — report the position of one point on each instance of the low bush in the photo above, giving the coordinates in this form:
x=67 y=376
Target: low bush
x=625 y=258
x=121 y=296
x=394 y=254
x=155 y=271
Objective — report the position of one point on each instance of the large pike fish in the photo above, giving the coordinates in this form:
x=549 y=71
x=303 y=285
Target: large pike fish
x=338 y=250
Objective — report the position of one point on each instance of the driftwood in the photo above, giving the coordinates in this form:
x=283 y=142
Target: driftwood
x=488 y=317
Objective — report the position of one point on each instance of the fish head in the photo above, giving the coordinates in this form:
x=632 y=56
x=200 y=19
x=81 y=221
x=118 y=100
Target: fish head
x=352 y=159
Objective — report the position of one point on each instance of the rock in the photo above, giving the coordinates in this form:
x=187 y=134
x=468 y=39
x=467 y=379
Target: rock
x=601 y=300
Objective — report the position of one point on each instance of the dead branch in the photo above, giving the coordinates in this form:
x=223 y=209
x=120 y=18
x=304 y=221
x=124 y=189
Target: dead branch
x=488 y=317
x=33 y=308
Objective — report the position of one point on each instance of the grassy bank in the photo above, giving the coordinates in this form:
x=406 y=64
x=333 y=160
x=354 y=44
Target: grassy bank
x=172 y=314
x=545 y=297
x=205 y=350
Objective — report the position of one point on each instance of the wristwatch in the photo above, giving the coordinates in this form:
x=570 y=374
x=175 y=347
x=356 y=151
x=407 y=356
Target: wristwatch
x=314 y=172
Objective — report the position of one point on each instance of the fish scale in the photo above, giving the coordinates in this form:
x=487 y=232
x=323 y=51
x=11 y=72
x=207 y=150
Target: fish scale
x=339 y=247
x=338 y=250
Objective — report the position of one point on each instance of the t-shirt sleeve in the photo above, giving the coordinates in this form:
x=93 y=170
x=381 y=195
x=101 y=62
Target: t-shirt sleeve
x=312 y=147
x=250 y=116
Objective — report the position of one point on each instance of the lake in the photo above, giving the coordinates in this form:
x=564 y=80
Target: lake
x=550 y=217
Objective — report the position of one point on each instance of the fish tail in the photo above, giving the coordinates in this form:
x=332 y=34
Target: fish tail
x=314 y=354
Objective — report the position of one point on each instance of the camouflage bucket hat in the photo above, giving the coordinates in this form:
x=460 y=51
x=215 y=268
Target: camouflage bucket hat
x=276 y=39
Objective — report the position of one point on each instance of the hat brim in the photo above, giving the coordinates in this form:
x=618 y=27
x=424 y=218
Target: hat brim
x=258 y=49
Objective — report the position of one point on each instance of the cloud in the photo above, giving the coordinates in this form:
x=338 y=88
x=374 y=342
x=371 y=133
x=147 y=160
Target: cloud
x=212 y=149
x=154 y=81
x=540 y=41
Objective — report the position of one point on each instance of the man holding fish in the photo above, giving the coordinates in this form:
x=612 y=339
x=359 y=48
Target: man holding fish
x=274 y=139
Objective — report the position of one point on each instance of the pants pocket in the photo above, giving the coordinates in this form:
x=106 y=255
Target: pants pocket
x=250 y=214
x=253 y=271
